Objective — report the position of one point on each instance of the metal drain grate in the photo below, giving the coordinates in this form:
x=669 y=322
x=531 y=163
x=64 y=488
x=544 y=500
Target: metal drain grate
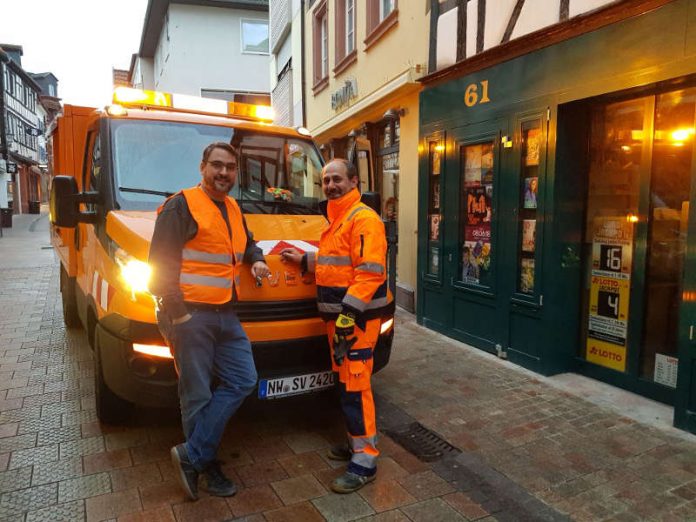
x=425 y=444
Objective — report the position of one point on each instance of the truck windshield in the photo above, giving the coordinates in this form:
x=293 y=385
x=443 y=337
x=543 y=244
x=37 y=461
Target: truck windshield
x=277 y=174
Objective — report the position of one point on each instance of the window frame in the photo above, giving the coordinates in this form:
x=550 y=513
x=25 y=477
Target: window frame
x=320 y=47
x=258 y=21
x=345 y=57
x=378 y=24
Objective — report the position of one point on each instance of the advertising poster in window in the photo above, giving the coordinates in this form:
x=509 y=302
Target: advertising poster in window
x=528 y=235
x=527 y=276
x=533 y=147
x=612 y=256
x=434 y=227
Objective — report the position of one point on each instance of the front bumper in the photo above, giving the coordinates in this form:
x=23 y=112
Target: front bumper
x=152 y=381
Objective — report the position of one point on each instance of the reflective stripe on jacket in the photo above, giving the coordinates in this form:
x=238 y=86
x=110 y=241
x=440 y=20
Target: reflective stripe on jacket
x=211 y=260
x=350 y=266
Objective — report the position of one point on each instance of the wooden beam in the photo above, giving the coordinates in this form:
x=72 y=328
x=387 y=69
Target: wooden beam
x=513 y=21
x=432 y=54
x=461 y=29
x=481 y=26
x=564 y=11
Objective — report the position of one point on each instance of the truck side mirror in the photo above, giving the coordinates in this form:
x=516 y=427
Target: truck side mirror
x=63 y=204
x=372 y=200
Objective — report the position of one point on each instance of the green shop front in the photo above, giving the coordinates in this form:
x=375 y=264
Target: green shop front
x=555 y=219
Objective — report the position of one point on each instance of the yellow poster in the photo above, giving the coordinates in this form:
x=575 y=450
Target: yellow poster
x=610 y=289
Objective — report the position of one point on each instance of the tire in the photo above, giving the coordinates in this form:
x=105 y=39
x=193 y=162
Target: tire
x=67 y=292
x=111 y=408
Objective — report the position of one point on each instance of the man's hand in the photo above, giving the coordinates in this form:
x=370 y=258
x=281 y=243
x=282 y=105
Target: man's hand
x=291 y=255
x=260 y=269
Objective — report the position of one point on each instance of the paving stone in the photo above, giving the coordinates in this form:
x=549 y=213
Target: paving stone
x=385 y=495
x=39 y=424
x=18 y=442
x=395 y=515
x=31 y=456
x=14 y=479
x=162 y=494
x=341 y=508
x=297 y=489
x=64 y=434
x=432 y=510
x=132 y=477
x=84 y=487
x=425 y=485
x=106 y=461
x=163 y=514
x=303 y=511
x=207 y=509
x=81 y=447
x=112 y=505
x=254 y=500
x=45 y=472
x=126 y=439
x=23 y=500
x=65 y=512
x=302 y=464
x=261 y=473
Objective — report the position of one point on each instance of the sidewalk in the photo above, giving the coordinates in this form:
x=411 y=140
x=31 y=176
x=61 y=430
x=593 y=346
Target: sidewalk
x=523 y=447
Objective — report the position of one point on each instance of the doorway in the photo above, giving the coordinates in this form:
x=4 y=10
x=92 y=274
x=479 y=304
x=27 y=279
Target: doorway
x=639 y=185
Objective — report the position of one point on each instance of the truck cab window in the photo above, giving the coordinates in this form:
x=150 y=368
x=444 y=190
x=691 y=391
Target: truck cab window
x=92 y=171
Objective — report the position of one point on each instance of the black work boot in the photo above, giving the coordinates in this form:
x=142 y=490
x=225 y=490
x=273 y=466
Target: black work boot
x=186 y=473
x=216 y=483
x=340 y=452
x=349 y=482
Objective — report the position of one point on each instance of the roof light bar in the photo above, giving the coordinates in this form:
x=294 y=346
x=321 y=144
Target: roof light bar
x=127 y=96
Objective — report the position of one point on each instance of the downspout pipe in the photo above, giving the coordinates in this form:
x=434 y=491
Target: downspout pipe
x=302 y=62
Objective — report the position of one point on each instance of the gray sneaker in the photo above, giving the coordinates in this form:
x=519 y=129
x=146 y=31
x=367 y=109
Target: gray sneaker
x=216 y=483
x=187 y=474
x=349 y=482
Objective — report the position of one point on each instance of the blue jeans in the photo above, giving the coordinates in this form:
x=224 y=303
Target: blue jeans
x=211 y=344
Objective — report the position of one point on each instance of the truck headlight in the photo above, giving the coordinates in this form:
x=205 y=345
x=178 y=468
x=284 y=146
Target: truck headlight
x=135 y=273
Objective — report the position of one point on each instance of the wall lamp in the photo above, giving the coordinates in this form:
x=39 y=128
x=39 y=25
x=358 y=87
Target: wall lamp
x=394 y=114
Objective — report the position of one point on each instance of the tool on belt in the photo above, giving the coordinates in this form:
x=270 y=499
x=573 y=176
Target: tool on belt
x=343 y=337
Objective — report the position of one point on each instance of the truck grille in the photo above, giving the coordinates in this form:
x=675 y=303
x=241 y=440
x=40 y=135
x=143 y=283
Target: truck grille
x=260 y=311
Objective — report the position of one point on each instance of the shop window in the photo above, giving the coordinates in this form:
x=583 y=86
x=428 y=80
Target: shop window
x=382 y=15
x=476 y=209
x=254 y=36
x=436 y=154
x=346 y=53
x=320 y=44
x=529 y=199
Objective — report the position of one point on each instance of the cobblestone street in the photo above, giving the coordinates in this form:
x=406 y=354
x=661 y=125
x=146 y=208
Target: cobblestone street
x=524 y=449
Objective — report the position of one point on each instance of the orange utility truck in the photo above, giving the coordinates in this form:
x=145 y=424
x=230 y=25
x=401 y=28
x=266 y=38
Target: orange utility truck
x=114 y=167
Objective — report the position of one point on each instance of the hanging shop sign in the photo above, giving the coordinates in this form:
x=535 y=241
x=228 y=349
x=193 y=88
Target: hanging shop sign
x=11 y=168
x=612 y=256
x=342 y=97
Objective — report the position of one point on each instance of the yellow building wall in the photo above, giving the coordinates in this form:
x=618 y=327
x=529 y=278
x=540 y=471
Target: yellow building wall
x=386 y=76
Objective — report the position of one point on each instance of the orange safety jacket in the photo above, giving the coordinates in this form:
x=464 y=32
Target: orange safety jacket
x=350 y=266
x=211 y=260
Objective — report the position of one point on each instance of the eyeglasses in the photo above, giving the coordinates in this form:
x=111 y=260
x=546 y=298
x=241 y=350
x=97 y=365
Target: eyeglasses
x=219 y=165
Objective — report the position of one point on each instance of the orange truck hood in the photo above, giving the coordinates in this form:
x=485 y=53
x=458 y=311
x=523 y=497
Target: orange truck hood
x=132 y=231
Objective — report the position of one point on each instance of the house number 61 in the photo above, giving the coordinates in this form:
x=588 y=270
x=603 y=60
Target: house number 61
x=471 y=95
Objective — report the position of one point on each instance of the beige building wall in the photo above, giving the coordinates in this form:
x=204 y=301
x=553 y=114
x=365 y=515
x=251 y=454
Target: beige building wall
x=386 y=74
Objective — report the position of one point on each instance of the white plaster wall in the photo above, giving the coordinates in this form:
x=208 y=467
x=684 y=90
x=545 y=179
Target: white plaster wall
x=535 y=15
x=296 y=50
x=205 y=52
x=582 y=6
x=446 y=50
x=497 y=17
x=471 y=21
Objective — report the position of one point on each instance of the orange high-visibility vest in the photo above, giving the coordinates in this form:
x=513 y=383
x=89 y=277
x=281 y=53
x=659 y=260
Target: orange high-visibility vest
x=350 y=266
x=211 y=261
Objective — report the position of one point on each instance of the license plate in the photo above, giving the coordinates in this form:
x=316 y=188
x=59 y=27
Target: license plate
x=284 y=386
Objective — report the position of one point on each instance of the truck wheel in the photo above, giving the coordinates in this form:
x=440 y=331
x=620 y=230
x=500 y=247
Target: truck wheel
x=111 y=408
x=67 y=292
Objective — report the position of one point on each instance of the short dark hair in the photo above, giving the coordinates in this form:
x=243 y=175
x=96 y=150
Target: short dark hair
x=218 y=145
x=351 y=170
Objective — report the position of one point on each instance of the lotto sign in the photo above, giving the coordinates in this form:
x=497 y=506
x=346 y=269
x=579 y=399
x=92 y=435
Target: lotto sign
x=612 y=253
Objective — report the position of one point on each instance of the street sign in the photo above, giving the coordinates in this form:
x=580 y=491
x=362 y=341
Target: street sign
x=11 y=168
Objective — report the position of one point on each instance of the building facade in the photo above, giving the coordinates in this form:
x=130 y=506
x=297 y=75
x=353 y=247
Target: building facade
x=363 y=61
x=202 y=48
x=20 y=124
x=556 y=179
x=49 y=108
x=286 y=29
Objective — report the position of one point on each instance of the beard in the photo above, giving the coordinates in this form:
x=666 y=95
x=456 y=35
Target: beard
x=221 y=184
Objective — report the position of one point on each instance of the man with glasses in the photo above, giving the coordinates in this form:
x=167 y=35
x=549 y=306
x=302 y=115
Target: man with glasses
x=199 y=248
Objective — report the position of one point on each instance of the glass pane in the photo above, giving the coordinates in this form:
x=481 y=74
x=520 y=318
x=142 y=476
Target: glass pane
x=255 y=36
x=616 y=147
x=670 y=186
x=476 y=197
x=529 y=190
x=436 y=151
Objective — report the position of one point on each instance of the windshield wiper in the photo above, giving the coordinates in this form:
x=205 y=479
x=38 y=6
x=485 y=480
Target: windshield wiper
x=146 y=191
